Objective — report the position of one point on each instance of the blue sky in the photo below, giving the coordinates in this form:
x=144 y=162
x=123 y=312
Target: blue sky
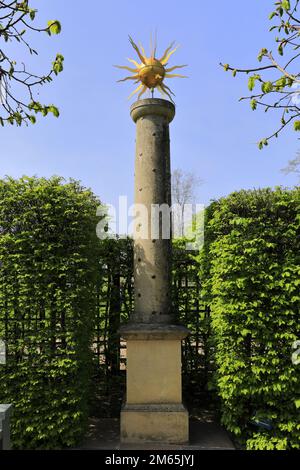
x=213 y=135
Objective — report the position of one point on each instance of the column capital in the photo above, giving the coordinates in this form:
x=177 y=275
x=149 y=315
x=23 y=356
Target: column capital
x=152 y=106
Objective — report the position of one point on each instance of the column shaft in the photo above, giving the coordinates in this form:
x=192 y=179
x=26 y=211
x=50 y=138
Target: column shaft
x=152 y=246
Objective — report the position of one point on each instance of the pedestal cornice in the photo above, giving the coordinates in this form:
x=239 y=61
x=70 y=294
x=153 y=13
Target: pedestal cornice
x=150 y=331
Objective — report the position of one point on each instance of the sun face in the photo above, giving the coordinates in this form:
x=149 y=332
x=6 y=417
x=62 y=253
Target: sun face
x=151 y=72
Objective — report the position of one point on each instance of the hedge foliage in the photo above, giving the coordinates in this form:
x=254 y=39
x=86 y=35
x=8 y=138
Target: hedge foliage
x=251 y=274
x=63 y=294
x=48 y=279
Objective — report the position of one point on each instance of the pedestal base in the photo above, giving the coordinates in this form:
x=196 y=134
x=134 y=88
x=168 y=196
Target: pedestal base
x=154 y=423
x=153 y=411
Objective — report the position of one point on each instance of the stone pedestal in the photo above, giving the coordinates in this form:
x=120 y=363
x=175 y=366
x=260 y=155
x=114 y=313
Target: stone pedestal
x=153 y=411
x=5 y=412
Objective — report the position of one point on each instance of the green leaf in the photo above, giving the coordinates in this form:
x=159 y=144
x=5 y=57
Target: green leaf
x=54 y=110
x=58 y=64
x=297 y=125
x=281 y=82
x=267 y=87
x=280 y=49
x=252 y=81
x=253 y=104
x=54 y=27
x=32 y=14
x=262 y=143
x=18 y=118
x=286 y=4
x=261 y=54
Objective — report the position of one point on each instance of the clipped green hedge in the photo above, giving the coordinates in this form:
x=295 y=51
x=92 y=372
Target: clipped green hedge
x=251 y=274
x=48 y=277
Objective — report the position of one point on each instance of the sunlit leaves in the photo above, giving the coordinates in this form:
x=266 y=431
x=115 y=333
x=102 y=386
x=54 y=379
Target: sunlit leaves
x=54 y=110
x=267 y=87
x=261 y=54
x=54 y=27
x=253 y=103
x=32 y=14
x=44 y=110
x=281 y=83
x=32 y=119
x=262 y=143
x=252 y=81
x=286 y=4
x=297 y=125
x=251 y=274
x=58 y=64
x=19 y=84
x=277 y=76
x=280 y=49
x=48 y=274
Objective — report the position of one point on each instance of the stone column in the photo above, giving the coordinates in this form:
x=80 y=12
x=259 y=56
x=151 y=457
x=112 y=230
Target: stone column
x=153 y=411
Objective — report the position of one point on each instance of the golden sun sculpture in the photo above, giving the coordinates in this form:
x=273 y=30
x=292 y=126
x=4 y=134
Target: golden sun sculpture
x=152 y=71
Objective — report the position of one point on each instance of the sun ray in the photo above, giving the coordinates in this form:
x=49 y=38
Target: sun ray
x=166 y=51
x=151 y=46
x=142 y=49
x=161 y=90
x=142 y=92
x=135 y=47
x=175 y=67
x=134 y=77
x=165 y=60
x=165 y=88
x=136 y=90
x=155 y=43
x=130 y=69
x=173 y=75
x=134 y=62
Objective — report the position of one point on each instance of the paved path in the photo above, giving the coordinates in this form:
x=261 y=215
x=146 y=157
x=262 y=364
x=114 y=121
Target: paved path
x=104 y=434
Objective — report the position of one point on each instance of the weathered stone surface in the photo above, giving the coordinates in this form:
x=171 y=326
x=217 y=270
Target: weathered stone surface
x=5 y=412
x=163 y=424
x=153 y=411
x=154 y=372
x=153 y=331
x=152 y=257
x=156 y=106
